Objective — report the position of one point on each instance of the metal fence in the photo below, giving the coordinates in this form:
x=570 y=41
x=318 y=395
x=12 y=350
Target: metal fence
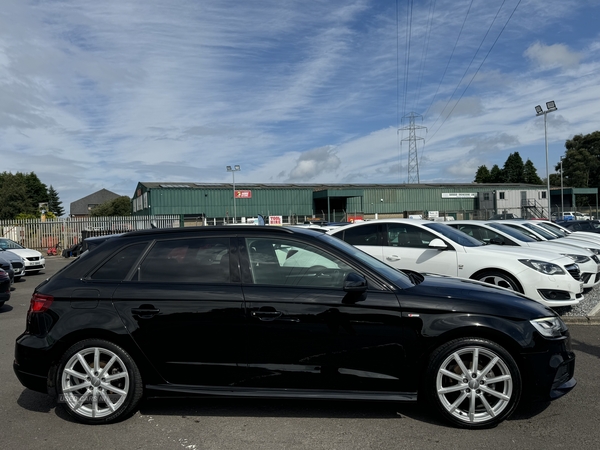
x=43 y=234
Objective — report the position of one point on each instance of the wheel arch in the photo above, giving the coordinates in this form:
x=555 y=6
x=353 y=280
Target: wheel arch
x=480 y=332
x=502 y=271
x=125 y=341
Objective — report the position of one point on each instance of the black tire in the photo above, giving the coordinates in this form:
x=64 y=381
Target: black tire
x=2 y=304
x=17 y=278
x=92 y=396
x=499 y=279
x=473 y=399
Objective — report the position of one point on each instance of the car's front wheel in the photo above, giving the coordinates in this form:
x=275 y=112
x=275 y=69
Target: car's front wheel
x=98 y=382
x=500 y=279
x=474 y=383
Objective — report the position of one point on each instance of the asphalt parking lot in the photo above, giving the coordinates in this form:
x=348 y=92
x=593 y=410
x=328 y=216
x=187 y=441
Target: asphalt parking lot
x=32 y=420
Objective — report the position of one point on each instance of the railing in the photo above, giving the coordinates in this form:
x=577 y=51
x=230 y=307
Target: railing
x=43 y=234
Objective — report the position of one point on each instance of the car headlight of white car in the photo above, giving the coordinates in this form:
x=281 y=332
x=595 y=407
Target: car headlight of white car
x=543 y=266
x=595 y=251
x=579 y=259
x=549 y=326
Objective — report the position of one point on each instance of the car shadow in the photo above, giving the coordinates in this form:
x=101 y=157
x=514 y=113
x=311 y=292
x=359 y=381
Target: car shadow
x=296 y=408
x=41 y=403
x=6 y=308
x=585 y=348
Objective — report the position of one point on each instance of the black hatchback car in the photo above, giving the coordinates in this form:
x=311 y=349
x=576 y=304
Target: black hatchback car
x=284 y=313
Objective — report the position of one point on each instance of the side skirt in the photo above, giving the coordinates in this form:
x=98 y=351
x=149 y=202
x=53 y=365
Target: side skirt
x=173 y=390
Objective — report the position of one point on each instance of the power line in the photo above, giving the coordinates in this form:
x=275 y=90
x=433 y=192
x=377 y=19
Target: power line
x=478 y=68
x=449 y=59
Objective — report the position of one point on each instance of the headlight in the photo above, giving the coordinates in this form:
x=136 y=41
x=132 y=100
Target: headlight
x=543 y=266
x=577 y=258
x=549 y=326
x=595 y=251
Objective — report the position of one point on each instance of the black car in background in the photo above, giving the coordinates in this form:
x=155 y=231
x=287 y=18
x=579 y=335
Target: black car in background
x=4 y=287
x=278 y=312
x=591 y=226
x=6 y=265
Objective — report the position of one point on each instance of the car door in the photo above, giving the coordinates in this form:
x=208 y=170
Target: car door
x=305 y=332
x=183 y=305
x=407 y=247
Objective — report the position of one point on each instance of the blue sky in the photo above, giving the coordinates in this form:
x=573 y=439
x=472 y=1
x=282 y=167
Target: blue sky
x=103 y=94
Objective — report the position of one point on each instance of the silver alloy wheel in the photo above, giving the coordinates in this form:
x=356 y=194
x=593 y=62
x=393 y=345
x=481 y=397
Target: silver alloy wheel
x=498 y=280
x=474 y=384
x=94 y=382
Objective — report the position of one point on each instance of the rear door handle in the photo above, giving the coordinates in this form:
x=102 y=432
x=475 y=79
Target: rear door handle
x=393 y=258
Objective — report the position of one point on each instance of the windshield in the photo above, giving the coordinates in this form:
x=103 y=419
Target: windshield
x=7 y=244
x=454 y=235
x=512 y=232
x=393 y=275
x=554 y=228
x=541 y=231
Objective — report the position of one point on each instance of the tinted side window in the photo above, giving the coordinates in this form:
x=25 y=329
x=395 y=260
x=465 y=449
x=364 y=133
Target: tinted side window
x=404 y=235
x=203 y=260
x=289 y=263
x=118 y=266
x=361 y=235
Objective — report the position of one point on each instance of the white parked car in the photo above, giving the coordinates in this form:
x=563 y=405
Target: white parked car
x=561 y=231
x=498 y=233
x=34 y=260
x=434 y=247
x=543 y=231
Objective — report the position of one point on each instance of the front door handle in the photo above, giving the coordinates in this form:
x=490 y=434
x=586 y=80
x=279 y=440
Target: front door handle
x=267 y=315
x=145 y=312
x=393 y=258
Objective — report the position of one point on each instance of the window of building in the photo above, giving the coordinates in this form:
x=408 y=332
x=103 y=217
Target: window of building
x=501 y=195
x=486 y=196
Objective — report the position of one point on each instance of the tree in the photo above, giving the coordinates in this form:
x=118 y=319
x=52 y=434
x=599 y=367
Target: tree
x=482 y=175
x=496 y=175
x=513 y=168
x=120 y=206
x=530 y=175
x=21 y=194
x=54 y=202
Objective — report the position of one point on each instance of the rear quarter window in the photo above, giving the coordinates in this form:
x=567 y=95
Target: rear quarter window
x=118 y=265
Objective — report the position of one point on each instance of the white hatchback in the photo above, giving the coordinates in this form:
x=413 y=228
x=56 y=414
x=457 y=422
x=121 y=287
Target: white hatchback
x=34 y=261
x=434 y=247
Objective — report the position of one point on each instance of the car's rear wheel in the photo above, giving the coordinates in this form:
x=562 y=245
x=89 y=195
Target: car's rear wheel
x=1 y=304
x=98 y=382
x=500 y=279
x=474 y=383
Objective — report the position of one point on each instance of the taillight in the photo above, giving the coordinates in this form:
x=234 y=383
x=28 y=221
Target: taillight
x=40 y=302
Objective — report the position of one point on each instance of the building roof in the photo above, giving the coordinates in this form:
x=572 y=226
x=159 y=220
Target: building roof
x=82 y=206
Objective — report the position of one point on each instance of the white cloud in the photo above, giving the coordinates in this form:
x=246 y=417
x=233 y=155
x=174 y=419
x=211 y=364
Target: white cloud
x=552 y=56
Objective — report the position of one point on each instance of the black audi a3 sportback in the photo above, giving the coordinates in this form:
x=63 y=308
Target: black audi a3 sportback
x=281 y=312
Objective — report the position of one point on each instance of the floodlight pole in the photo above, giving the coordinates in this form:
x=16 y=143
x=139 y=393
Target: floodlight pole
x=233 y=170
x=562 y=197
x=538 y=109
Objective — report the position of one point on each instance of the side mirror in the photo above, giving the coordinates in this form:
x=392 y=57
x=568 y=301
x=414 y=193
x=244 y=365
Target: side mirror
x=437 y=243
x=355 y=283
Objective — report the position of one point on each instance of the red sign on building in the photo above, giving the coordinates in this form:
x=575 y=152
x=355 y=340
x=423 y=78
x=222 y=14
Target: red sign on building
x=243 y=194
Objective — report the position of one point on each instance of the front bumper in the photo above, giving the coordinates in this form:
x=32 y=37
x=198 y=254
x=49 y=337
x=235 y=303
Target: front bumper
x=553 y=291
x=550 y=374
x=35 y=263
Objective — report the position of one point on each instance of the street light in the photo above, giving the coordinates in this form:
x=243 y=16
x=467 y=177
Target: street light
x=233 y=171
x=539 y=112
x=562 y=198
